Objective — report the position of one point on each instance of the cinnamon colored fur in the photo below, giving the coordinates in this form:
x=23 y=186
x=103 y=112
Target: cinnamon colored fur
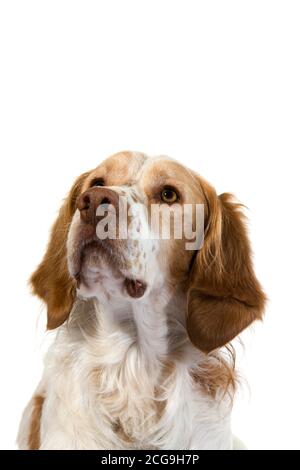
x=34 y=438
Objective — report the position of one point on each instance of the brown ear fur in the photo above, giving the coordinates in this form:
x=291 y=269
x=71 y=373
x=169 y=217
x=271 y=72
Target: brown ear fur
x=224 y=295
x=51 y=281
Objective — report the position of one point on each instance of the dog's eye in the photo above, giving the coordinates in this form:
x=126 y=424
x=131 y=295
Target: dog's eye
x=97 y=182
x=169 y=195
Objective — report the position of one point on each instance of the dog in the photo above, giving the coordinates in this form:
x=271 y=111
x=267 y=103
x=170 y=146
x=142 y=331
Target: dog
x=142 y=356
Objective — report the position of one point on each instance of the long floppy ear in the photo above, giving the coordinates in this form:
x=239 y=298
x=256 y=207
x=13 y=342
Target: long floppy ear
x=224 y=295
x=51 y=281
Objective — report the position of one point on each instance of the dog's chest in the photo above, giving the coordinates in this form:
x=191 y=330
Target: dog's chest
x=120 y=399
x=152 y=407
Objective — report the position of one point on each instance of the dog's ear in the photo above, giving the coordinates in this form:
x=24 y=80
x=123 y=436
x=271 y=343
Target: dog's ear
x=224 y=295
x=51 y=280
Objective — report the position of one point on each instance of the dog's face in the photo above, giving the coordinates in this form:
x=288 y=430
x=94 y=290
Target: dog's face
x=105 y=244
x=146 y=261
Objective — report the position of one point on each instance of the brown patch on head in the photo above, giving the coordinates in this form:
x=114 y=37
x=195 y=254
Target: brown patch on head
x=224 y=295
x=51 y=281
x=166 y=172
x=161 y=173
x=119 y=169
x=34 y=438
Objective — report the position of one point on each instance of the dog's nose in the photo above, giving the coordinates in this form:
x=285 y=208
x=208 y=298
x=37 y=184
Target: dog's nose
x=88 y=202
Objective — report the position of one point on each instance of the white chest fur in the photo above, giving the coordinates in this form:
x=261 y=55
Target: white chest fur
x=106 y=389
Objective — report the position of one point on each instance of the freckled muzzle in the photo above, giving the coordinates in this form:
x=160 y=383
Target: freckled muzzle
x=112 y=250
x=85 y=236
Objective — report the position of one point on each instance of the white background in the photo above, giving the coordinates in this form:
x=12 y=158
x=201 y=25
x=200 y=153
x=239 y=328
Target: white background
x=215 y=84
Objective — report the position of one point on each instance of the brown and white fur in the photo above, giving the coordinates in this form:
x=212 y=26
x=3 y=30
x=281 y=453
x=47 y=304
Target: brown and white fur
x=147 y=372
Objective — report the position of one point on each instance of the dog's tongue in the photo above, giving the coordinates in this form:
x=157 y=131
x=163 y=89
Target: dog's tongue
x=135 y=289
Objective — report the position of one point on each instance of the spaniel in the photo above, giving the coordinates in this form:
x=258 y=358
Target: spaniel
x=142 y=356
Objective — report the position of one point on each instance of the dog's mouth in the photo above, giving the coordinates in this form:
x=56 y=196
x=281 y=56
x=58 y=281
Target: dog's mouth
x=88 y=261
x=90 y=252
x=135 y=288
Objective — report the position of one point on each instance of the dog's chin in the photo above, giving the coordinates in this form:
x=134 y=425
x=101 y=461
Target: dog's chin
x=100 y=270
x=91 y=253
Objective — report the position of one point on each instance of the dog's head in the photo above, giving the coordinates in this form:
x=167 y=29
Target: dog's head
x=115 y=238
